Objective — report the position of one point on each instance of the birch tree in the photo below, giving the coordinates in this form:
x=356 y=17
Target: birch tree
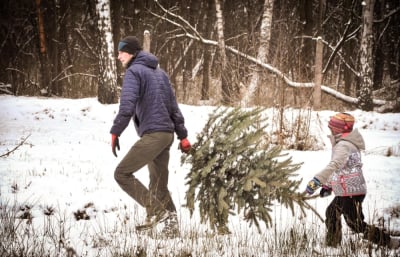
x=107 y=80
x=205 y=86
x=225 y=85
x=265 y=37
x=366 y=60
x=191 y=33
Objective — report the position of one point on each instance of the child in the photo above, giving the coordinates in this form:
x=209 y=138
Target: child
x=344 y=176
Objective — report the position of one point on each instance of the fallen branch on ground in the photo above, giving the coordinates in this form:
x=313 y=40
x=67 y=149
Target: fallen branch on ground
x=15 y=148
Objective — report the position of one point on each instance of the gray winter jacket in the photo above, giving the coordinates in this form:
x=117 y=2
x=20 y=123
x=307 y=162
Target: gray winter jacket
x=148 y=99
x=344 y=172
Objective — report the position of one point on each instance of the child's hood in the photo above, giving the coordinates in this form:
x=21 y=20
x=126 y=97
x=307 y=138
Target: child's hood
x=355 y=138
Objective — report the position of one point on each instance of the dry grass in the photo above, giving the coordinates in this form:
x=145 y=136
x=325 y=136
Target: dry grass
x=57 y=235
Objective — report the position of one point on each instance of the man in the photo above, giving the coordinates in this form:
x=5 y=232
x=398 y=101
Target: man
x=148 y=99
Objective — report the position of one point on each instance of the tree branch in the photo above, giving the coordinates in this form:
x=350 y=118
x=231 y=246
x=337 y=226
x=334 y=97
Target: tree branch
x=337 y=47
x=85 y=41
x=77 y=74
x=63 y=71
x=179 y=18
x=15 y=148
x=277 y=72
x=338 y=53
x=309 y=206
x=4 y=88
x=392 y=12
x=25 y=75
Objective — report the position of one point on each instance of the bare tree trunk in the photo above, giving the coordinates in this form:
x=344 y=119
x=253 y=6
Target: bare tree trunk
x=55 y=63
x=319 y=57
x=205 y=87
x=107 y=80
x=265 y=37
x=42 y=35
x=189 y=61
x=307 y=49
x=45 y=71
x=366 y=60
x=146 y=40
x=225 y=86
x=117 y=15
x=318 y=74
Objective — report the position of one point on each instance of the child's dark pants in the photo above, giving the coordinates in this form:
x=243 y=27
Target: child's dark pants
x=351 y=208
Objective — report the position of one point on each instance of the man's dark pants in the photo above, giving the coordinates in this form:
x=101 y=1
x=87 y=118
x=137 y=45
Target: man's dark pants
x=151 y=150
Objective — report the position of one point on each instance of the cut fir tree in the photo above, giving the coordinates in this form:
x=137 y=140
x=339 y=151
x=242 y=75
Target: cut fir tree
x=234 y=167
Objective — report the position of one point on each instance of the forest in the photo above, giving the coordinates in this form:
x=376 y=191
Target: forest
x=325 y=54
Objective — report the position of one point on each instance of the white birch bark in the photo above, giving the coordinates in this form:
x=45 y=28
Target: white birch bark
x=380 y=105
x=222 y=54
x=146 y=41
x=265 y=36
x=107 y=85
x=366 y=60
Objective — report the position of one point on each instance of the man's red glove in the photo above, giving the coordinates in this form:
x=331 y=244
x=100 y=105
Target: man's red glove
x=184 y=145
x=114 y=144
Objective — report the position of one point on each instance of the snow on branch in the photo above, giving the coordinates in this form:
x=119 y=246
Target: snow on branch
x=192 y=33
x=4 y=88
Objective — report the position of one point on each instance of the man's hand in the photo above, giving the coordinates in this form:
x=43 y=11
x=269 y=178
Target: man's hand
x=185 y=145
x=114 y=144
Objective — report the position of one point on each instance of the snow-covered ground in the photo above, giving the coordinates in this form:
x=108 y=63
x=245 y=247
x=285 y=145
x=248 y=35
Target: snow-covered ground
x=66 y=165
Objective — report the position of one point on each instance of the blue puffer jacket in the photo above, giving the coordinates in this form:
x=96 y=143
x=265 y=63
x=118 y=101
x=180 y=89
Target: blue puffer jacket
x=147 y=98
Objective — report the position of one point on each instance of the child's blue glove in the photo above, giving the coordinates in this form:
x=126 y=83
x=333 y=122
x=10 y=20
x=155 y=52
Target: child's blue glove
x=313 y=185
x=325 y=191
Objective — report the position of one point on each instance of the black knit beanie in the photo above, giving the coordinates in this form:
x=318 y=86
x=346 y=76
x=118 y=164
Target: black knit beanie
x=130 y=45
